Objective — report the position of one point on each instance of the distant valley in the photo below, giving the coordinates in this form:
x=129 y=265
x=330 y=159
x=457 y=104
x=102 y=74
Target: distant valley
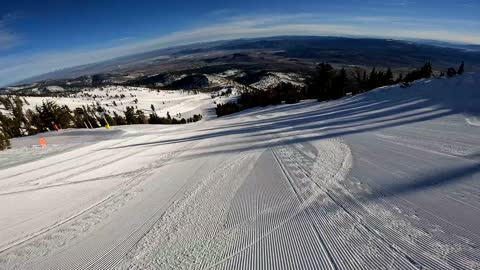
x=250 y=62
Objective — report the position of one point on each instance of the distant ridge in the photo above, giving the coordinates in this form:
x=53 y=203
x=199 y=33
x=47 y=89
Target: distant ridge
x=398 y=52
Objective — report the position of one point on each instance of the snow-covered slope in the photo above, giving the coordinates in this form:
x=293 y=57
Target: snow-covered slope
x=273 y=79
x=384 y=180
x=174 y=102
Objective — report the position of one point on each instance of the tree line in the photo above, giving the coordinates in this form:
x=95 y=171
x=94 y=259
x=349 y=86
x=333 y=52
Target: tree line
x=50 y=115
x=328 y=83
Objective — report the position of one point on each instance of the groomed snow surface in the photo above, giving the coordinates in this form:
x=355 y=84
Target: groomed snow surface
x=383 y=180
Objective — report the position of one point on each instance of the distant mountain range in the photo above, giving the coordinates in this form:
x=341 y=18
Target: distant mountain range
x=305 y=50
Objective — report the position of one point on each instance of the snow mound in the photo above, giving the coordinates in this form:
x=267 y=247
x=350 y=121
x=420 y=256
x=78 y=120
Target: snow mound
x=460 y=94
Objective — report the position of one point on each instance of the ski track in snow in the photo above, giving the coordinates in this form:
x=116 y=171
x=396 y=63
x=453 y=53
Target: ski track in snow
x=385 y=180
x=82 y=221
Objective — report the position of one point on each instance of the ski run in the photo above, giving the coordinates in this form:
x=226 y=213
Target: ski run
x=389 y=179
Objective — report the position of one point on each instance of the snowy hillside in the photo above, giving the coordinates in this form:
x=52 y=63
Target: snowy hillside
x=117 y=98
x=383 y=180
x=273 y=79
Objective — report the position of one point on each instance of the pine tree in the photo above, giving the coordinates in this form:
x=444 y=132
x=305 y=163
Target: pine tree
x=322 y=82
x=141 y=118
x=372 y=80
x=363 y=84
x=78 y=119
x=340 y=85
x=400 y=78
x=461 y=69
x=389 y=77
x=4 y=141
x=427 y=70
x=119 y=120
x=130 y=116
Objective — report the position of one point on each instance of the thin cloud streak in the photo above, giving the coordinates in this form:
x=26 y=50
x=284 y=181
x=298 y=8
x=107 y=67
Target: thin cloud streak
x=7 y=38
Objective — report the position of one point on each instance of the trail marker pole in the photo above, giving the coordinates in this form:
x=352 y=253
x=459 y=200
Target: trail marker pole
x=42 y=142
x=102 y=114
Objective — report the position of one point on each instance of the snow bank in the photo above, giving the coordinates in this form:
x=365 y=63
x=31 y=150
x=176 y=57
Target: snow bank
x=461 y=93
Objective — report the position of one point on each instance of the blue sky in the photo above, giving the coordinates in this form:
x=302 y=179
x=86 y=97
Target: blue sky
x=43 y=36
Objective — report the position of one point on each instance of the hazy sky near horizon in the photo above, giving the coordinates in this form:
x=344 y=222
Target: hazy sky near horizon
x=42 y=36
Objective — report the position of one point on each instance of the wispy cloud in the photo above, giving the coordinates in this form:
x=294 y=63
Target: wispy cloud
x=7 y=38
x=221 y=12
x=402 y=3
x=121 y=40
x=23 y=66
x=417 y=21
